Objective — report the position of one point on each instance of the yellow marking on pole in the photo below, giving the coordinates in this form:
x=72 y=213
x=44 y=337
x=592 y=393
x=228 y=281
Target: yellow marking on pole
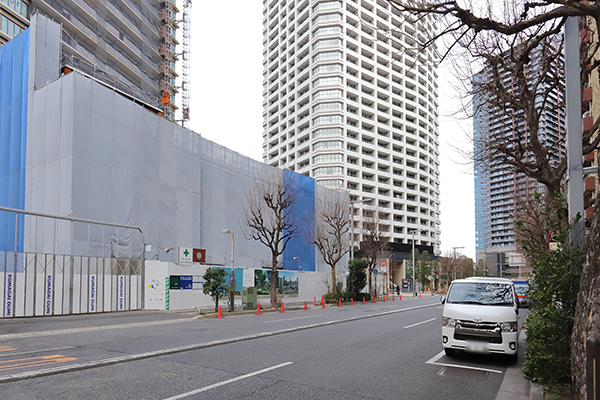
x=34 y=362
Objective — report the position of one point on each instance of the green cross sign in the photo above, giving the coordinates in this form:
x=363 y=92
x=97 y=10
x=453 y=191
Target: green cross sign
x=186 y=252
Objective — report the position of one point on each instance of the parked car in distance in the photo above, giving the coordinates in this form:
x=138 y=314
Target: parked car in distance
x=522 y=288
x=481 y=315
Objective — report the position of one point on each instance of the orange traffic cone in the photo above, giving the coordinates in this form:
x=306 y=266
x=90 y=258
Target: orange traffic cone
x=322 y=300
x=322 y=304
x=282 y=307
x=384 y=299
x=393 y=298
x=400 y=296
x=352 y=302
x=374 y=299
x=419 y=295
x=258 y=310
x=305 y=306
x=363 y=300
x=220 y=314
x=340 y=303
x=315 y=301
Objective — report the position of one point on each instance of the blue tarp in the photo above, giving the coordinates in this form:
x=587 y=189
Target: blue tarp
x=14 y=66
x=304 y=211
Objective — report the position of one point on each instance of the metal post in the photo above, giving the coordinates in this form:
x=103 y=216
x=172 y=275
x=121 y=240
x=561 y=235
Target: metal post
x=413 y=264
x=232 y=277
x=574 y=130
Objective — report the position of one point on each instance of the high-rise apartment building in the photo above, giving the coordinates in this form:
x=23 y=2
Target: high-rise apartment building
x=350 y=99
x=498 y=188
x=129 y=46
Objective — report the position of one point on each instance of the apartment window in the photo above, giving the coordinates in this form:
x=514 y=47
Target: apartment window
x=328 y=171
x=331 y=80
x=327 y=17
x=327 y=4
x=327 y=68
x=328 y=55
x=327 y=43
x=328 y=132
x=329 y=144
x=331 y=183
x=328 y=158
x=328 y=30
x=327 y=107
x=327 y=93
x=328 y=119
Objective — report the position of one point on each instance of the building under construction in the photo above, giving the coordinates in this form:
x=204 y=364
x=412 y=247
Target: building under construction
x=128 y=46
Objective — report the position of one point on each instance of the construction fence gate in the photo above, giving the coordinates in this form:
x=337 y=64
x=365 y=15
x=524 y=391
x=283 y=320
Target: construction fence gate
x=53 y=265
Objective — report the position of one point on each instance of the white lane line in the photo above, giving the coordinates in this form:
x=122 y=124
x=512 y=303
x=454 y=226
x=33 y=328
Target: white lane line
x=216 y=385
x=419 y=323
x=292 y=319
x=433 y=360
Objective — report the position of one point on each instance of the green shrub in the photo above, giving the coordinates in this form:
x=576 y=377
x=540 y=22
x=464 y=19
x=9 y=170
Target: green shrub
x=553 y=296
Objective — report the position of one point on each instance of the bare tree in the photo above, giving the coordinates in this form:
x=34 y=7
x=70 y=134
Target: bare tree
x=374 y=244
x=267 y=216
x=332 y=227
x=523 y=27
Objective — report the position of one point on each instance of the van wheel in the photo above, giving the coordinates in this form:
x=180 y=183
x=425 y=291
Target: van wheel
x=449 y=352
x=513 y=358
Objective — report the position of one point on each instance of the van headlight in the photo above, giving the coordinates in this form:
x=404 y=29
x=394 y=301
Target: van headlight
x=509 y=327
x=448 y=322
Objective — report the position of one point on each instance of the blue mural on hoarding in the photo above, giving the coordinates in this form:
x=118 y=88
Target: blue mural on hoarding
x=14 y=76
x=304 y=212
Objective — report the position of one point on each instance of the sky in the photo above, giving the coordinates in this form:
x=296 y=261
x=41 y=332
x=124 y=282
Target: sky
x=226 y=106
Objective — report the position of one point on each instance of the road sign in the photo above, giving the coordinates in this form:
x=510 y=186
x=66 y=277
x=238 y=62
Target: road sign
x=375 y=272
x=185 y=254
x=199 y=255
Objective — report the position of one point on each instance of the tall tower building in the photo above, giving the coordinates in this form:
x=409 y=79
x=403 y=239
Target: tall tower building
x=350 y=99
x=498 y=188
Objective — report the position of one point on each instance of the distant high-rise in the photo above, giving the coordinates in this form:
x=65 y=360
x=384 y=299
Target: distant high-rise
x=498 y=188
x=350 y=99
x=129 y=46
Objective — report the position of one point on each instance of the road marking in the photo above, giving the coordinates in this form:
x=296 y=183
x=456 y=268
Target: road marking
x=34 y=362
x=216 y=385
x=433 y=360
x=292 y=319
x=191 y=347
x=36 y=351
x=419 y=323
x=7 y=348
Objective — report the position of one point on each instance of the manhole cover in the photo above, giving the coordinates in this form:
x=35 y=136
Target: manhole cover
x=463 y=373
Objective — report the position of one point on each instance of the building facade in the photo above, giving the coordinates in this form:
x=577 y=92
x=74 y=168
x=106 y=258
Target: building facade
x=129 y=46
x=350 y=99
x=499 y=190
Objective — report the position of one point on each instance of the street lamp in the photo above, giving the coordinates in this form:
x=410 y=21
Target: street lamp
x=413 y=258
x=352 y=225
x=299 y=267
x=454 y=249
x=232 y=277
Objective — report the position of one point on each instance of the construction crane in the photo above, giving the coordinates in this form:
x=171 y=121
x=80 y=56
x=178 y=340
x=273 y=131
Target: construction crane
x=185 y=66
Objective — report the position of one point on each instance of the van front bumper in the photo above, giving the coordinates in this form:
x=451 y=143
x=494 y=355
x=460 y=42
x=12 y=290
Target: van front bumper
x=502 y=343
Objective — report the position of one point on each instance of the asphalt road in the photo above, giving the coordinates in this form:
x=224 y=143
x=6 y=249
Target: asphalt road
x=371 y=351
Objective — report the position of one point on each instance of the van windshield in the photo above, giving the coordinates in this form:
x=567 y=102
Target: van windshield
x=496 y=294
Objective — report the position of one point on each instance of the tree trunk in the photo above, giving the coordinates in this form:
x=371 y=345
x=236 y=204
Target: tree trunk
x=216 y=303
x=333 y=280
x=273 y=280
x=587 y=311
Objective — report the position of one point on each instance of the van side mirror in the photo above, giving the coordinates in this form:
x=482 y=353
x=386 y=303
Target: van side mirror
x=443 y=300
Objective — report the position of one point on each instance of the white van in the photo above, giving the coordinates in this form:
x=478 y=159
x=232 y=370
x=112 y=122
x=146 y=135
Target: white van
x=481 y=315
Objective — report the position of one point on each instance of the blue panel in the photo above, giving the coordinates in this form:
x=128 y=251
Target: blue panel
x=14 y=75
x=304 y=211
